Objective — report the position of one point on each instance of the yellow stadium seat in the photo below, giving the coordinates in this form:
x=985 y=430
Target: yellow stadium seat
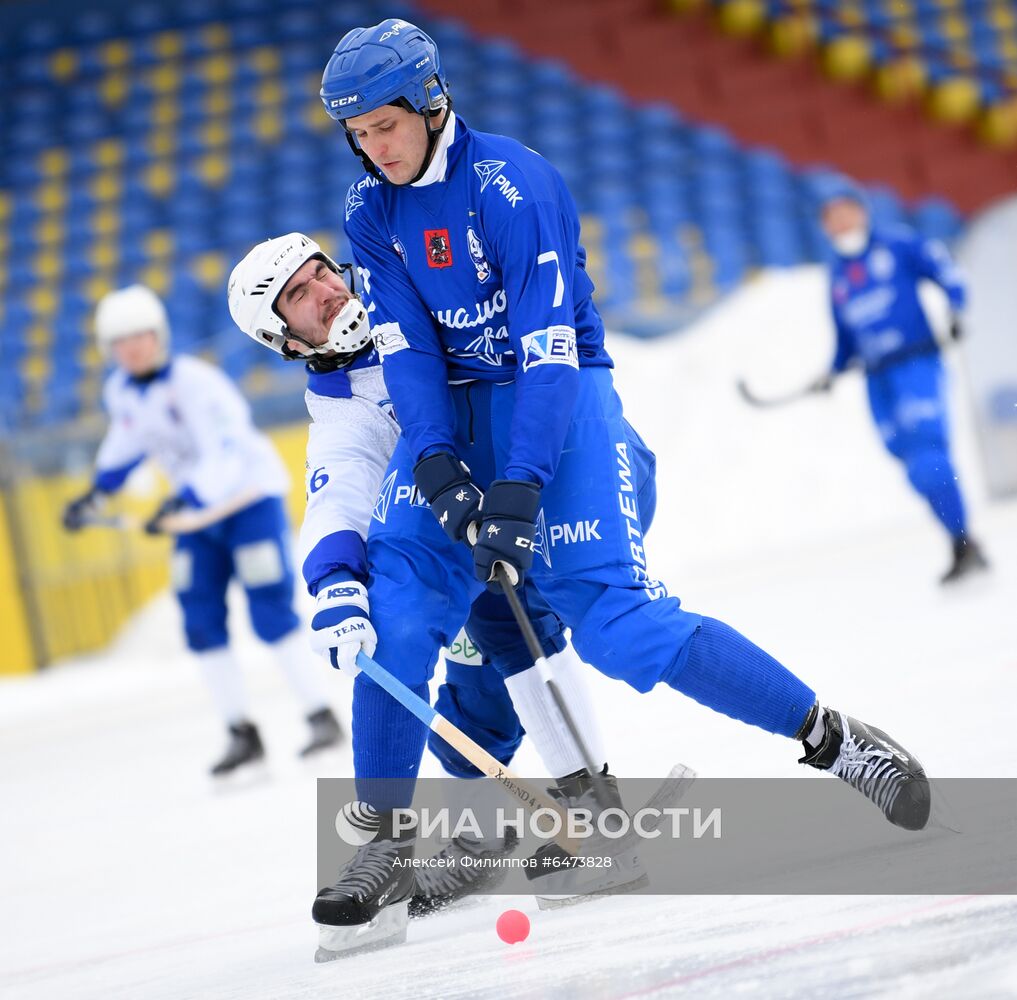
x=955 y=27
x=164 y=78
x=114 y=89
x=998 y=125
x=268 y=126
x=51 y=197
x=160 y=178
x=848 y=57
x=5 y=206
x=265 y=60
x=104 y=254
x=955 y=101
x=108 y=152
x=106 y=220
x=49 y=230
x=115 y=53
x=217 y=69
x=35 y=368
x=905 y=38
x=268 y=92
x=48 y=264
x=97 y=286
x=158 y=243
x=63 y=64
x=901 y=80
x=214 y=169
x=54 y=162
x=215 y=133
x=792 y=35
x=168 y=44
x=156 y=277
x=165 y=112
x=742 y=17
x=106 y=186
x=43 y=300
x=210 y=269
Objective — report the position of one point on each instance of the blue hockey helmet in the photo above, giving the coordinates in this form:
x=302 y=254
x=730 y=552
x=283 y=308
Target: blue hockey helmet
x=827 y=187
x=392 y=63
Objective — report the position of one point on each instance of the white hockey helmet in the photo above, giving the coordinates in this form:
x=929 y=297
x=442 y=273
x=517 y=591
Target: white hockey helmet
x=257 y=282
x=131 y=310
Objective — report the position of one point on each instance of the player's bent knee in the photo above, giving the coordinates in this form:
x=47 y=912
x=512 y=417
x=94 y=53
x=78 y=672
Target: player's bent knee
x=633 y=639
x=260 y=564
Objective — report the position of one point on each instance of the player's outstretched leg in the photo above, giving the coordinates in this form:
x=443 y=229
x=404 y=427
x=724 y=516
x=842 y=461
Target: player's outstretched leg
x=871 y=762
x=245 y=747
x=366 y=907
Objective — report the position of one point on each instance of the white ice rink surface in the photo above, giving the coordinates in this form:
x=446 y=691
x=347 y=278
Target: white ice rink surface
x=125 y=874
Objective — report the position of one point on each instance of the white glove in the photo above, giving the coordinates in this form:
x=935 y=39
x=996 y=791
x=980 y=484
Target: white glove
x=341 y=626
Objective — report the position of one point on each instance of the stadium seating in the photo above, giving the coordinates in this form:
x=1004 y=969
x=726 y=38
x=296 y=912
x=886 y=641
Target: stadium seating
x=157 y=143
x=958 y=57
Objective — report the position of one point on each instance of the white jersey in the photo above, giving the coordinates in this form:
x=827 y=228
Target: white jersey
x=351 y=438
x=193 y=421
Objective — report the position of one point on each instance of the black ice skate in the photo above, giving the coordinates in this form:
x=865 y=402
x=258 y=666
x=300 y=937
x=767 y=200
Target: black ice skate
x=968 y=558
x=442 y=885
x=244 y=748
x=873 y=764
x=325 y=732
x=564 y=886
x=367 y=907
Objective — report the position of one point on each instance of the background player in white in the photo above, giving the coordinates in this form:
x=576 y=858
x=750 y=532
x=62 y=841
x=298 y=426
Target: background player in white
x=290 y=296
x=190 y=418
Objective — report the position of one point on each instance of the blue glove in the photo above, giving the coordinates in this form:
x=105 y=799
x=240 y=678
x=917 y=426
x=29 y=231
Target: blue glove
x=506 y=531
x=80 y=511
x=169 y=506
x=445 y=483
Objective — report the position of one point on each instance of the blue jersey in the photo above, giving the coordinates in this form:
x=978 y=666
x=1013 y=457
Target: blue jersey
x=875 y=301
x=479 y=275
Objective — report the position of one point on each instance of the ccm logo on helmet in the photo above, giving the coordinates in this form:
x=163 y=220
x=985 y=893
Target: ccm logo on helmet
x=340 y=102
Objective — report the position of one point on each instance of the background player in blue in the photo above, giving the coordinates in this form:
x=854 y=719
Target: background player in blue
x=190 y=418
x=493 y=354
x=882 y=327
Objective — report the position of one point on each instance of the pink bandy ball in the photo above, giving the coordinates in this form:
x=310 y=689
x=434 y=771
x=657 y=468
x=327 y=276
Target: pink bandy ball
x=513 y=926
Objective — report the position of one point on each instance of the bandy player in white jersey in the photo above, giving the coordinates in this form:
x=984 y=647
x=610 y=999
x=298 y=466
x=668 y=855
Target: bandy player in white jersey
x=288 y=295
x=190 y=418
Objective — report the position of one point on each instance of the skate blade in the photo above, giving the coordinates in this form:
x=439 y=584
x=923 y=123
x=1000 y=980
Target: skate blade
x=558 y=902
x=241 y=778
x=388 y=928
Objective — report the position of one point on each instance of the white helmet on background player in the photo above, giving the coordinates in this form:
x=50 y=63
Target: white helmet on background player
x=256 y=284
x=128 y=311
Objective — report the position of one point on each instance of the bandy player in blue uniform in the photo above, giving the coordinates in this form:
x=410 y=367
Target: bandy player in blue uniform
x=493 y=355
x=290 y=296
x=882 y=327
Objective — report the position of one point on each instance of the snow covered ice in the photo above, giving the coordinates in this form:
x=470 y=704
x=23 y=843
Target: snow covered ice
x=125 y=873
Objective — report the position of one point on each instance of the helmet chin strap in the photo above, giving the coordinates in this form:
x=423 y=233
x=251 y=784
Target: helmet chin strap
x=433 y=135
